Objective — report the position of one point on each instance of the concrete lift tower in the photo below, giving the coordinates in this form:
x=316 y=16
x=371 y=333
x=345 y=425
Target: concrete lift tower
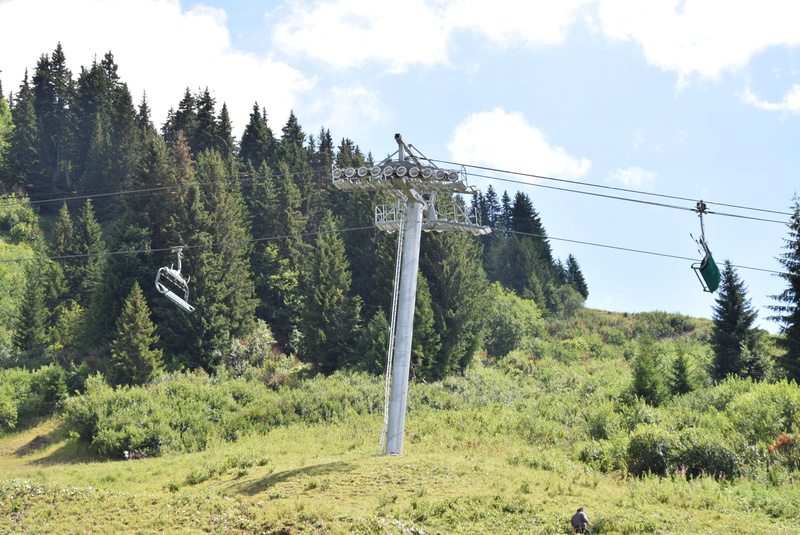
x=415 y=181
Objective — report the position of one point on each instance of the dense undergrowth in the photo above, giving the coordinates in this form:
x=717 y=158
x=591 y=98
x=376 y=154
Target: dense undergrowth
x=559 y=416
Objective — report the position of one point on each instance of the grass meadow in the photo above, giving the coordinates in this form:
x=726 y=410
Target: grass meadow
x=493 y=452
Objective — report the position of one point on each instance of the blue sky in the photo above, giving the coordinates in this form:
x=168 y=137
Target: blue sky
x=692 y=99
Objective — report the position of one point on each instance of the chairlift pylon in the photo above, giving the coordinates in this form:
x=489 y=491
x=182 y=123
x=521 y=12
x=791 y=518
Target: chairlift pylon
x=706 y=270
x=170 y=283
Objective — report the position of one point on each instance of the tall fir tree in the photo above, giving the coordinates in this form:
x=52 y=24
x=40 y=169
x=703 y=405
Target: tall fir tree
x=24 y=166
x=294 y=160
x=787 y=312
x=89 y=246
x=331 y=315
x=732 y=330
x=218 y=264
x=224 y=141
x=6 y=124
x=290 y=220
x=574 y=276
x=134 y=358
x=426 y=341
x=451 y=263
x=649 y=381
x=206 y=126
x=31 y=327
x=258 y=142
x=53 y=90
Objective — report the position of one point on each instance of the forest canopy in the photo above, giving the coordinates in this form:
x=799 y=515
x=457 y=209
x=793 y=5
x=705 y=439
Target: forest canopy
x=101 y=196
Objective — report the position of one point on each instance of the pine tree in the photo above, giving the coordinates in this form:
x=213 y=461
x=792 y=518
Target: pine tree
x=648 y=377
x=134 y=359
x=373 y=342
x=258 y=142
x=53 y=90
x=6 y=124
x=331 y=315
x=224 y=141
x=206 y=127
x=425 y=342
x=732 y=331
x=683 y=376
x=24 y=165
x=788 y=309
x=89 y=244
x=31 y=334
x=218 y=264
x=574 y=276
x=184 y=120
x=451 y=263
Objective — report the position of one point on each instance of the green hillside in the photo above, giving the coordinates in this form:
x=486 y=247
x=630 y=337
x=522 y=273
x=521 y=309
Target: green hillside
x=513 y=445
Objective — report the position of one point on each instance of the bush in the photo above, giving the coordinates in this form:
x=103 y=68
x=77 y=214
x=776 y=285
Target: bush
x=184 y=412
x=705 y=452
x=651 y=449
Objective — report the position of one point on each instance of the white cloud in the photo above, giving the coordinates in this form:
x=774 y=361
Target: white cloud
x=632 y=177
x=352 y=110
x=159 y=48
x=504 y=140
x=362 y=33
x=511 y=21
x=790 y=102
x=357 y=33
x=703 y=37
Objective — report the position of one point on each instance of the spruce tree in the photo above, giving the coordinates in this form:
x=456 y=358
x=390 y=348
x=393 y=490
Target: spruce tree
x=134 y=359
x=574 y=276
x=206 y=127
x=331 y=315
x=648 y=377
x=184 y=120
x=290 y=220
x=373 y=342
x=451 y=263
x=788 y=309
x=683 y=376
x=89 y=244
x=294 y=160
x=258 y=142
x=24 y=165
x=53 y=90
x=217 y=261
x=31 y=328
x=224 y=141
x=6 y=124
x=732 y=331
x=426 y=341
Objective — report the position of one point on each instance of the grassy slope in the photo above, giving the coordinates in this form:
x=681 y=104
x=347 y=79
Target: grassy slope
x=483 y=468
x=327 y=479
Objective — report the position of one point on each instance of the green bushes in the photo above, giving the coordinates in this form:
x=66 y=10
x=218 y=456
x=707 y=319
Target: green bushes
x=26 y=395
x=650 y=450
x=184 y=412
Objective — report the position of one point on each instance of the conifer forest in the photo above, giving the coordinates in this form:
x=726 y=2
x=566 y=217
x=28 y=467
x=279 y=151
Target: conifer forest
x=100 y=196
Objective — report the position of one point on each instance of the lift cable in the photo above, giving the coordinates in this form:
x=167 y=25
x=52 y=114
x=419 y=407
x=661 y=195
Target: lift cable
x=602 y=186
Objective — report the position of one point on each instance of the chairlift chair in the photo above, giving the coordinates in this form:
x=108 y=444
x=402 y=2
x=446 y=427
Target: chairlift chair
x=170 y=283
x=706 y=270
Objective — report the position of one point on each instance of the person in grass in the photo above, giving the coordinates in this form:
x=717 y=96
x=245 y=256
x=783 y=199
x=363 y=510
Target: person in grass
x=580 y=521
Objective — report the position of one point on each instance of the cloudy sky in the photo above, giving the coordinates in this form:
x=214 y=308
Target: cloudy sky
x=624 y=101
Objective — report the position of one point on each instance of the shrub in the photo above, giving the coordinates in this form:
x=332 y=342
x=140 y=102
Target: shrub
x=704 y=451
x=651 y=449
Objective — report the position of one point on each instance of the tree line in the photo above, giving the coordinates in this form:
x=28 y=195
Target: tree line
x=101 y=196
